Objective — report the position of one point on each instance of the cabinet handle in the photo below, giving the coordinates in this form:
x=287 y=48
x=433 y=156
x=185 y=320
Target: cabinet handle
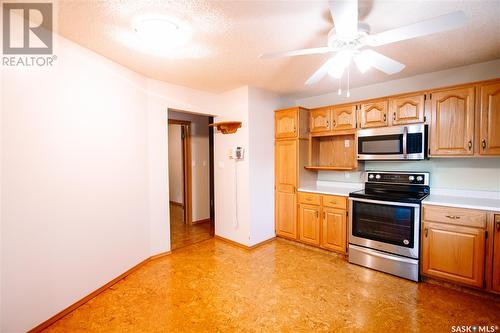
x=498 y=225
x=453 y=217
x=334 y=123
x=324 y=217
x=483 y=143
x=385 y=117
x=470 y=144
x=426 y=231
x=317 y=214
x=394 y=116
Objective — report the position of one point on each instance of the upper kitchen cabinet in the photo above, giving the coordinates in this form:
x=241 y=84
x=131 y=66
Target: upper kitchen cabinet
x=320 y=120
x=374 y=113
x=452 y=123
x=344 y=117
x=407 y=109
x=290 y=123
x=489 y=131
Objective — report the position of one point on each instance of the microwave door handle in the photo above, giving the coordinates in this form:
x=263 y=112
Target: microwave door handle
x=405 y=137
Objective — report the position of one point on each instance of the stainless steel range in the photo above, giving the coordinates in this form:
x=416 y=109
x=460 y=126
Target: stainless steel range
x=384 y=225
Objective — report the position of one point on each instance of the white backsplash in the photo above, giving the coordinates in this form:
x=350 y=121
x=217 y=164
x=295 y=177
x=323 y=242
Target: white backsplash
x=482 y=174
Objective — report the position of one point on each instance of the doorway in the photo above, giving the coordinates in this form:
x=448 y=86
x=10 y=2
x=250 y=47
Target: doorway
x=190 y=159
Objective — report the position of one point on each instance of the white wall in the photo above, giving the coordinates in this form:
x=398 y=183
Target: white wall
x=84 y=178
x=75 y=182
x=262 y=104
x=175 y=162
x=200 y=168
x=232 y=200
x=456 y=173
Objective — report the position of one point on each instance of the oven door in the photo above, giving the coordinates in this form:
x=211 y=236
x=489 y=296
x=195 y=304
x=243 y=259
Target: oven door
x=393 y=143
x=392 y=227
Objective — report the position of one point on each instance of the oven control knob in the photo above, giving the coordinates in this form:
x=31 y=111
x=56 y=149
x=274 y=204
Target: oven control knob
x=377 y=177
x=411 y=178
x=419 y=178
x=370 y=176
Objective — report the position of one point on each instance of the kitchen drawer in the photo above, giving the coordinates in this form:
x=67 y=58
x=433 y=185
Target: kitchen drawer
x=309 y=198
x=334 y=201
x=458 y=216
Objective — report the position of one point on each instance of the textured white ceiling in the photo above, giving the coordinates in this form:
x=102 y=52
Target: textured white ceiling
x=230 y=35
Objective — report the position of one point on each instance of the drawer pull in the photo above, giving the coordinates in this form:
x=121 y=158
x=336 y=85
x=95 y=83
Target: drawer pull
x=453 y=217
x=426 y=231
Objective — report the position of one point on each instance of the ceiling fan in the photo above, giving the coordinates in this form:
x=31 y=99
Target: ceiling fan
x=350 y=39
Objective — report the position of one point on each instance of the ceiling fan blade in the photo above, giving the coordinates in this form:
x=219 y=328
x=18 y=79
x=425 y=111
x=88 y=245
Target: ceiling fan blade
x=381 y=62
x=315 y=50
x=321 y=72
x=345 y=17
x=445 y=22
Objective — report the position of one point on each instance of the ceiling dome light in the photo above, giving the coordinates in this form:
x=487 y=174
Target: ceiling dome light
x=160 y=34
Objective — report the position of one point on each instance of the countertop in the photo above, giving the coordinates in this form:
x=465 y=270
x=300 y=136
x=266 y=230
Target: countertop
x=483 y=200
x=333 y=188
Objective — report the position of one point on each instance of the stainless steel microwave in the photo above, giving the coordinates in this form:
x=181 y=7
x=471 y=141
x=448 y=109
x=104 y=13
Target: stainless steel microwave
x=407 y=142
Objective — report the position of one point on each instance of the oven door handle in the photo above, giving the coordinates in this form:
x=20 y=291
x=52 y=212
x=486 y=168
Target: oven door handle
x=381 y=202
x=405 y=140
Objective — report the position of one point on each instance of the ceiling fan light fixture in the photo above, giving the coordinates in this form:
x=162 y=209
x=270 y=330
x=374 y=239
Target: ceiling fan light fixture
x=363 y=62
x=339 y=63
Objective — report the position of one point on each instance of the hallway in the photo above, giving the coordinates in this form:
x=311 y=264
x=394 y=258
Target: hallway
x=182 y=234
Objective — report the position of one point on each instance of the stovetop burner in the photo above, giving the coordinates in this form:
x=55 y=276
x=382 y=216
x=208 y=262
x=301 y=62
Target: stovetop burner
x=410 y=187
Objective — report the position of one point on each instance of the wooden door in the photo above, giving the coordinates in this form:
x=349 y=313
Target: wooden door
x=285 y=188
x=454 y=253
x=286 y=122
x=490 y=119
x=334 y=229
x=452 y=124
x=320 y=120
x=496 y=254
x=374 y=114
x=407 y=109
x=344 y=117
x=309 y=224
x=286 y=214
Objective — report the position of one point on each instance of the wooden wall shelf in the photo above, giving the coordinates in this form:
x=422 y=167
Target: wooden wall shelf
x=338 y=168
x=227 y=127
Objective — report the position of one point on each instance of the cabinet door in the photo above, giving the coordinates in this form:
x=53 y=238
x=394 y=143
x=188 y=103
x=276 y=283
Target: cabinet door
x=490 y=119
x=286 y=214
x=374 y=114
x=285 y=152
x=496 y=254
x=452 y=123
x=286 y=122
x=320 y=120
x=309 y=224
x=454 y=253
x=407 y=109
x=334 y=229
x=344 y=117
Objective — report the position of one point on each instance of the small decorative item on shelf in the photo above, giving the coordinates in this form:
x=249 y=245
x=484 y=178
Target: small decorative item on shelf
x=227 y=127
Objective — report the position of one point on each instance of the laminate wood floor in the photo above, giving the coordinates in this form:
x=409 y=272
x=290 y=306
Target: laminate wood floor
x=214 y=286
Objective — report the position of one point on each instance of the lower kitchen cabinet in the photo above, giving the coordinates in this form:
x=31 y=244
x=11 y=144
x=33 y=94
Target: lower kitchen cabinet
x=323 y=221
x=309 y=224
x=453 y=245
x=286 y=214
x=333 y=229
x=496 y=254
